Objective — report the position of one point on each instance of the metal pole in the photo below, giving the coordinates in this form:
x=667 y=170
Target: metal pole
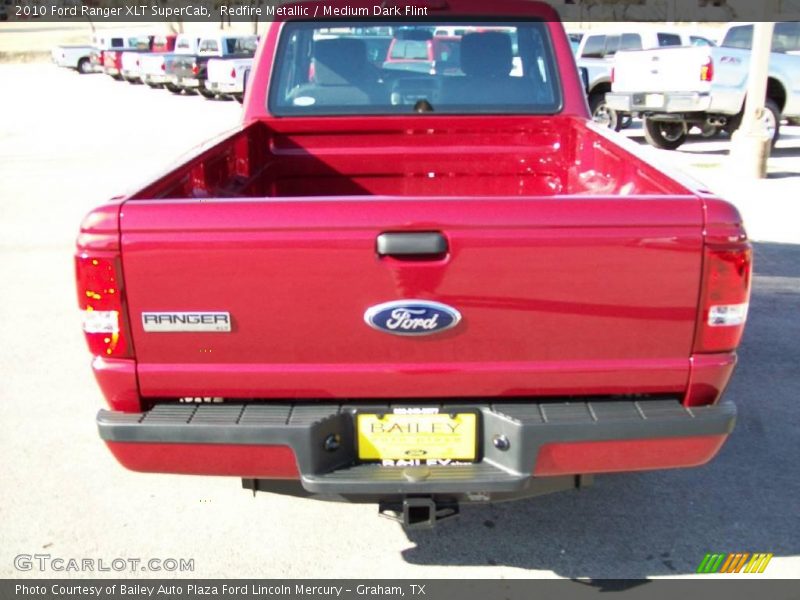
x=751 y=143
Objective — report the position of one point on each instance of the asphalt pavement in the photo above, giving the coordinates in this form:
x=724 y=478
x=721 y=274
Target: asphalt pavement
x=69 y=142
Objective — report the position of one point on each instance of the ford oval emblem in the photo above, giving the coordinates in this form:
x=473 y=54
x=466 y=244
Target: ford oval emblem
x=412 y=317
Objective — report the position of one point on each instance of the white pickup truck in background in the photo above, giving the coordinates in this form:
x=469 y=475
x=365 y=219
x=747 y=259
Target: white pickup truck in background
x=73 y=57
x=674 y=89
x=226 y=77
x=155 y=68
x=596 y=52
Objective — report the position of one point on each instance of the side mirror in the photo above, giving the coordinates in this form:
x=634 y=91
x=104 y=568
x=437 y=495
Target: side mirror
x=584 y=72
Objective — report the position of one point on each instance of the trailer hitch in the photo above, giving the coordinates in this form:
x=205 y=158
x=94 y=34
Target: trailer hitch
x=419 y=512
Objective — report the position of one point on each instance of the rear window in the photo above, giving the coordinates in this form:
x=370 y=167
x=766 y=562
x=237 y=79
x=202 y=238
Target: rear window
x=409 y=50
x=493 y=68
x=669 y=39
x=630 y=41
x=595 y=47
x=785 y=38
x=245 y=45
x=739 y=37
x=209 y=46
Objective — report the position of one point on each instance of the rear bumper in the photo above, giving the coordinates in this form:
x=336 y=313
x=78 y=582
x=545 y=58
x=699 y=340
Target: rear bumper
x=187 y=82
x=661 y=102
x=283 y=441
x=223 y=88
x=158 y=78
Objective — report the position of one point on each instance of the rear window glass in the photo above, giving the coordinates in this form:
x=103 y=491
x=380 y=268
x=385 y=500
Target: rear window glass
x=595 y=47
x=493 y=68
x=669 y=39
x=739 y=37
x=630 y=41
x=410 y=49
x=785 y=38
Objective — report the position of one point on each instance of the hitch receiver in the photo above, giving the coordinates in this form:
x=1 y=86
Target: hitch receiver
x=419 y=512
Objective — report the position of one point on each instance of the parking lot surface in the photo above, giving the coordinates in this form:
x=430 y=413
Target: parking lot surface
x=69 y=142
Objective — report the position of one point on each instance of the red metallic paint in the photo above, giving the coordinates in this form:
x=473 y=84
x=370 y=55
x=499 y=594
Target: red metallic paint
x=567 y=458
x=576 y=265
x=708 y=378
x=117 y=381
x=268 y=462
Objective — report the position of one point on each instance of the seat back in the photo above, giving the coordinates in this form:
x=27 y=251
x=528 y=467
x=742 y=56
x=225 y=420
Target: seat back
x=343 y=76
x=487 y=59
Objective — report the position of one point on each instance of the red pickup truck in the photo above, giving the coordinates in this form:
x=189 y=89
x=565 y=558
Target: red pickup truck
x=415 y=289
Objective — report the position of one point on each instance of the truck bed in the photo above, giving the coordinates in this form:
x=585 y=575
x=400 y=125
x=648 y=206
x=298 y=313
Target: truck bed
x=520 y=158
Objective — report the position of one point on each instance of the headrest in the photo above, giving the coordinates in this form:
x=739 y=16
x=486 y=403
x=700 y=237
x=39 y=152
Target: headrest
x=340 y=61
x=487 y=54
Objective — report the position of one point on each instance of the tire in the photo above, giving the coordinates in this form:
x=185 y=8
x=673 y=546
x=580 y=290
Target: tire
x=173 y=88
x=773 y=117
x=666 y=135
x=206 y=94
x=709 y=131
x=601 y=114
x=85 y=66
x=772 y=114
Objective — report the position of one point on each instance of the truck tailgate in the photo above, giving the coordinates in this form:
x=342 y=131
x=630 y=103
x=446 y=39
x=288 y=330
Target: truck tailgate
x=662 y=70
x=560 y=295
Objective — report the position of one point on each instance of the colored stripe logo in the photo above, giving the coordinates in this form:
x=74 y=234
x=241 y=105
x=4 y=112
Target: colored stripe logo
x=735 y=562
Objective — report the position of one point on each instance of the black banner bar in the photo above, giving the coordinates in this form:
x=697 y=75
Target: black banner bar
x=211 y=11
x=460 y=589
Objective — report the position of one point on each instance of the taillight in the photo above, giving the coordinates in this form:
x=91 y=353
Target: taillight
x=613 y=74
x=163 y=67
x=195 y=69
x=727 y=274
x=100 y=300
x=233 y=73
x=707 y=70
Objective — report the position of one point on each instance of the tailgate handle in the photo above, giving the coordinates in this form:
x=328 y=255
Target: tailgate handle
x=412 y=244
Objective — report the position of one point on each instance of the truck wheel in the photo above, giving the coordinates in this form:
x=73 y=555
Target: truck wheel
x=206 y=94
x=601 y=113
x=772 y=121
x=709 y=131
x=85 y=66
x=667 y=135
x=173 y=88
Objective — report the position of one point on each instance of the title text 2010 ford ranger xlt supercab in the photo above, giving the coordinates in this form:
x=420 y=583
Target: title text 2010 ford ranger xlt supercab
x=415 y=289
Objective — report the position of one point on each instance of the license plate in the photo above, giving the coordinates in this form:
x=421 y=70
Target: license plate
x=417 y=436
x=654 y=100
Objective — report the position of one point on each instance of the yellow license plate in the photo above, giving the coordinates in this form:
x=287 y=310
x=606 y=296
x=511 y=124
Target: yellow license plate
x=417 y=436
